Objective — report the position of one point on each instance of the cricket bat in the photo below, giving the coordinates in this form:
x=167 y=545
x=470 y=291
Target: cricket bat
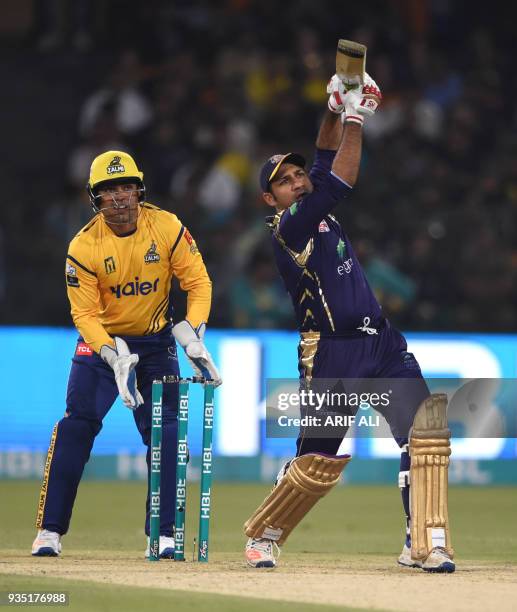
x=350 y=63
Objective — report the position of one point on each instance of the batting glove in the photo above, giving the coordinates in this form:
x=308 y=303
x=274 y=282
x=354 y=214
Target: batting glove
x=123 y=363
x=200 y=359
x=362 y=103
x=337 y=91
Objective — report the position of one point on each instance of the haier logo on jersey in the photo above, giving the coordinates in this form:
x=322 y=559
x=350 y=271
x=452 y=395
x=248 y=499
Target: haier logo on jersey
x=115 y=166
x=135 y=288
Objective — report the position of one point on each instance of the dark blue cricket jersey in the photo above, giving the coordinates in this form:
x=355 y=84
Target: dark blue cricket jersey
x=323 y=276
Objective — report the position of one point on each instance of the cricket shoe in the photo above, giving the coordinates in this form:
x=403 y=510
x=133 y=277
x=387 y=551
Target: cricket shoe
x=259 y=552
x=439 y=561
x=166 y=547
x=406 y=560
x=46 y=544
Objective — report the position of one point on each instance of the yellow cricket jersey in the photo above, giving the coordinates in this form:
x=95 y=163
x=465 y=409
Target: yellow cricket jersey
x=120 y=285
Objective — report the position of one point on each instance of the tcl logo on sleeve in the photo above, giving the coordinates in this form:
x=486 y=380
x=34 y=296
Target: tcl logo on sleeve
x=84 y=349
x=188 y=237
x=190 y=240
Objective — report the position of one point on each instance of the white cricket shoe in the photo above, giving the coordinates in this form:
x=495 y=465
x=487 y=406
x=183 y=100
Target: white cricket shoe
x=166 y=547
x=406 y=560
x=439 y=561
x=259 y=552
x=46 y=544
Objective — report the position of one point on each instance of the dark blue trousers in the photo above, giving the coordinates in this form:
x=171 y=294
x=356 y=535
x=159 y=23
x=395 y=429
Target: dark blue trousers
x=382 y=355
x=91 y=393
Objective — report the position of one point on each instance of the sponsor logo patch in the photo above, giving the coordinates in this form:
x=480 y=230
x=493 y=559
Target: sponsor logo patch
x=71 y=275
x=109 y=265
x=203 y=550
x=341 y=248
x=135 y=288
x=84 y=349
x=275 y=159
x=152 y=256
x=188 y=237
x=345 y=267
x=323 y=227
x=115 y=166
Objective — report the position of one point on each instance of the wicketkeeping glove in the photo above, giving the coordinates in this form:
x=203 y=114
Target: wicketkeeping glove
x=355 y=103
x=192 y=342
x=123 y=363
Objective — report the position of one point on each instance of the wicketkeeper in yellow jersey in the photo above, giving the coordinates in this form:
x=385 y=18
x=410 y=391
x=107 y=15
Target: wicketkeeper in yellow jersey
x=119 y=270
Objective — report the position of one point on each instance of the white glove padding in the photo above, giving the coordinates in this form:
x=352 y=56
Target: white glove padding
x=123 y=364
x=337 y=91
x=200 y=359
x=362 y=103
x=356 y=103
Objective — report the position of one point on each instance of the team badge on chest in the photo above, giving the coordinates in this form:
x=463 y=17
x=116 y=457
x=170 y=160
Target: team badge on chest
x=151 y=256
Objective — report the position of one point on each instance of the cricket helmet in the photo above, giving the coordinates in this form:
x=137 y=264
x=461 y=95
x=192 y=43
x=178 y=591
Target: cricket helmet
x=112 y=168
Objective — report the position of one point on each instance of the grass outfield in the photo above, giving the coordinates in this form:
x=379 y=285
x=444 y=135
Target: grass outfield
x=355 y=533
x=359 y=520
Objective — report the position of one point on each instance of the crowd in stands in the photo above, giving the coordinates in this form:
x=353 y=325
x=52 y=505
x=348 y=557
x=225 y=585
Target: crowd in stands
x=201 y=92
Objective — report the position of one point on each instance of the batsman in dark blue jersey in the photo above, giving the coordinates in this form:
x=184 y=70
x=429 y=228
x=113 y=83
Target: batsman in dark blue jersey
x=344 y=334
